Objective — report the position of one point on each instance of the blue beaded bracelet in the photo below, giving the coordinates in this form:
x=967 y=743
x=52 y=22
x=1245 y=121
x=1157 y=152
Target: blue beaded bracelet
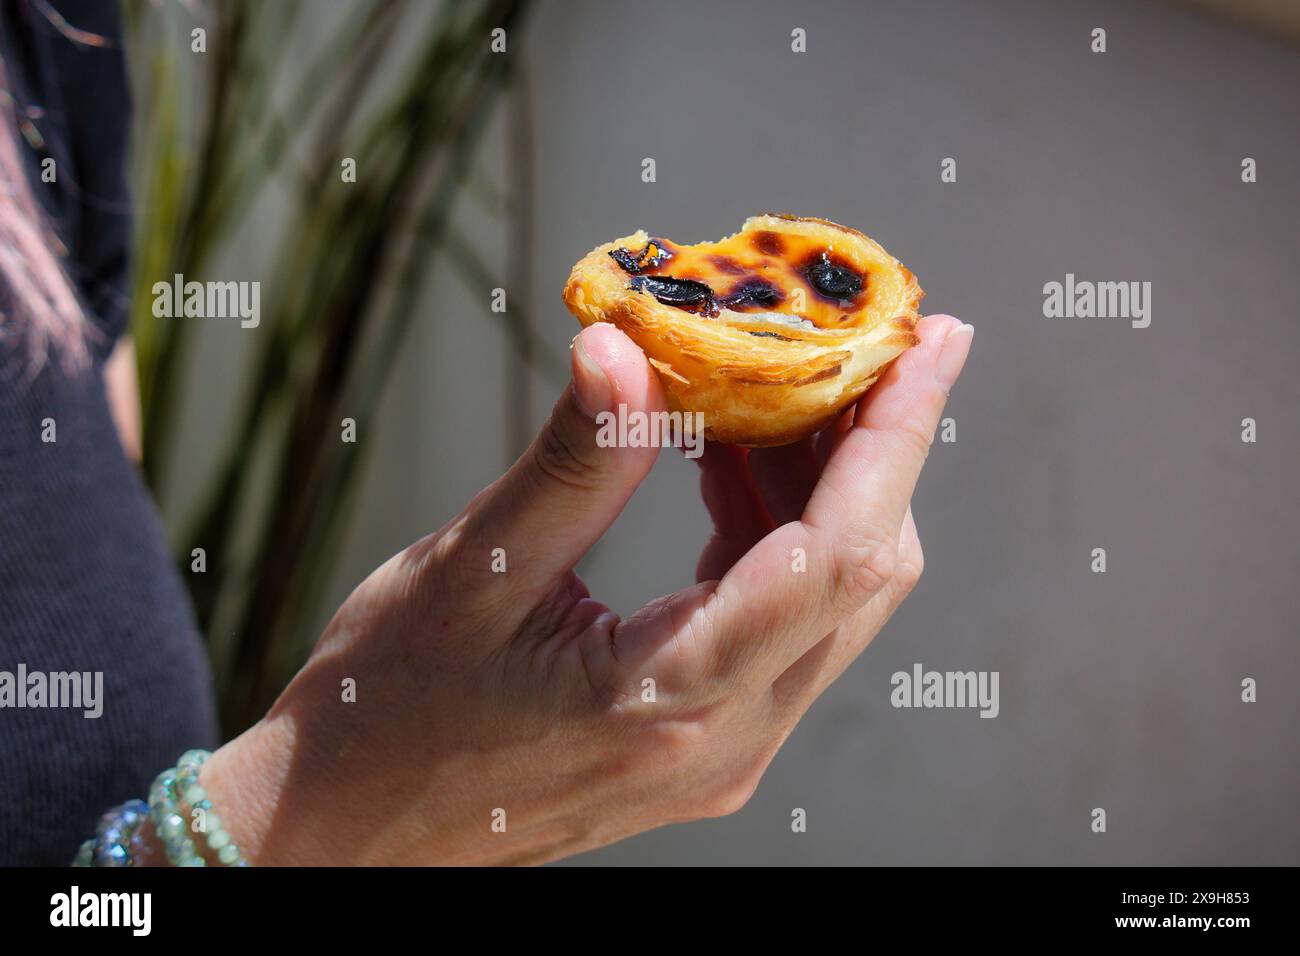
x=111 y=845
x=114 y=833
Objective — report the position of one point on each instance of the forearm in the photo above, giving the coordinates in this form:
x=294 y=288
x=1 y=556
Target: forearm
x=122 y=385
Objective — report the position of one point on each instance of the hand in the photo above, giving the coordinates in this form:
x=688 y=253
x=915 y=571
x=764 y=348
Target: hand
x=505 y=717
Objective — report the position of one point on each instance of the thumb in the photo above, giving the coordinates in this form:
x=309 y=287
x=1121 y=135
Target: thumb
x=570 y=485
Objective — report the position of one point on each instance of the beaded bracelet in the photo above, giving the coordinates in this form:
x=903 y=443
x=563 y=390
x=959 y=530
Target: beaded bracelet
x=179 y=787
x=173 y=791
x=117 y=829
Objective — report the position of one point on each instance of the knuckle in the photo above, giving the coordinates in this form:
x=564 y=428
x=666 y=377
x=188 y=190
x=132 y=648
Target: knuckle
x=862 y=569
x=909 y=574
x=915 y=440
x=726 y=802
x=560 y=459
x=732 y=795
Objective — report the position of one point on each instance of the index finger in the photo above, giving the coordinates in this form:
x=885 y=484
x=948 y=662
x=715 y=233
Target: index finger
x=805 y=578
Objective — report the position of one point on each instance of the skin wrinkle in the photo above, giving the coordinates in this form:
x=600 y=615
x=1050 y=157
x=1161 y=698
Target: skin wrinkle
x=714 y=610
x=553 y=611
x=581 y=637
x=686 y=643
x=855 y=580
x=613 y=635
x=556 y=460
x=607 y=695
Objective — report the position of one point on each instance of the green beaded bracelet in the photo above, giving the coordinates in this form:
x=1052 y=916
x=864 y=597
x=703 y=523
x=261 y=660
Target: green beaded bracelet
x=175 y=790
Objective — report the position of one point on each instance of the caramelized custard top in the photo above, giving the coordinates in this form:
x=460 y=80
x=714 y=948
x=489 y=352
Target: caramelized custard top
x=750 y=272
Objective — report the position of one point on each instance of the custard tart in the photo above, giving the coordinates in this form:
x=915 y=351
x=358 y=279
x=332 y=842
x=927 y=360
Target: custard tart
x=769 y=333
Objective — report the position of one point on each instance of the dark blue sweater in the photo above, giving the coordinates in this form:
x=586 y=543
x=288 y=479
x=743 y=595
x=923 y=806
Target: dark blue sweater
x=86 y=584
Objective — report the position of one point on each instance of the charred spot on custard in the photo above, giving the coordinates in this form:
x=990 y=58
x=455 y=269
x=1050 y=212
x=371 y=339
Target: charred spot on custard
x=754 y=293
x=727 y=265
x=768 y=243
x=832 y=279
x=655 y=254
x=690 y=295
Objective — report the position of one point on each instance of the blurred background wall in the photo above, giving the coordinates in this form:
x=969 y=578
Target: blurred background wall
x=1118 y=690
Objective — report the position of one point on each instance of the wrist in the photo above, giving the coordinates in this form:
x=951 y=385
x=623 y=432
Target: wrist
x=249 y=783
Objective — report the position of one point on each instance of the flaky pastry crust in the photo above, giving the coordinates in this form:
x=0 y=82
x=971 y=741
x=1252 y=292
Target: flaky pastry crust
x=769 y=357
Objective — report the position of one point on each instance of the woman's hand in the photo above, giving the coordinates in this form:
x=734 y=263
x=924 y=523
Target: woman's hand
x=504 y=716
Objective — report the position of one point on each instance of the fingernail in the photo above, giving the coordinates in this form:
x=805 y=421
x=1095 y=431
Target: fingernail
x=590 y=383
x=952 y=355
